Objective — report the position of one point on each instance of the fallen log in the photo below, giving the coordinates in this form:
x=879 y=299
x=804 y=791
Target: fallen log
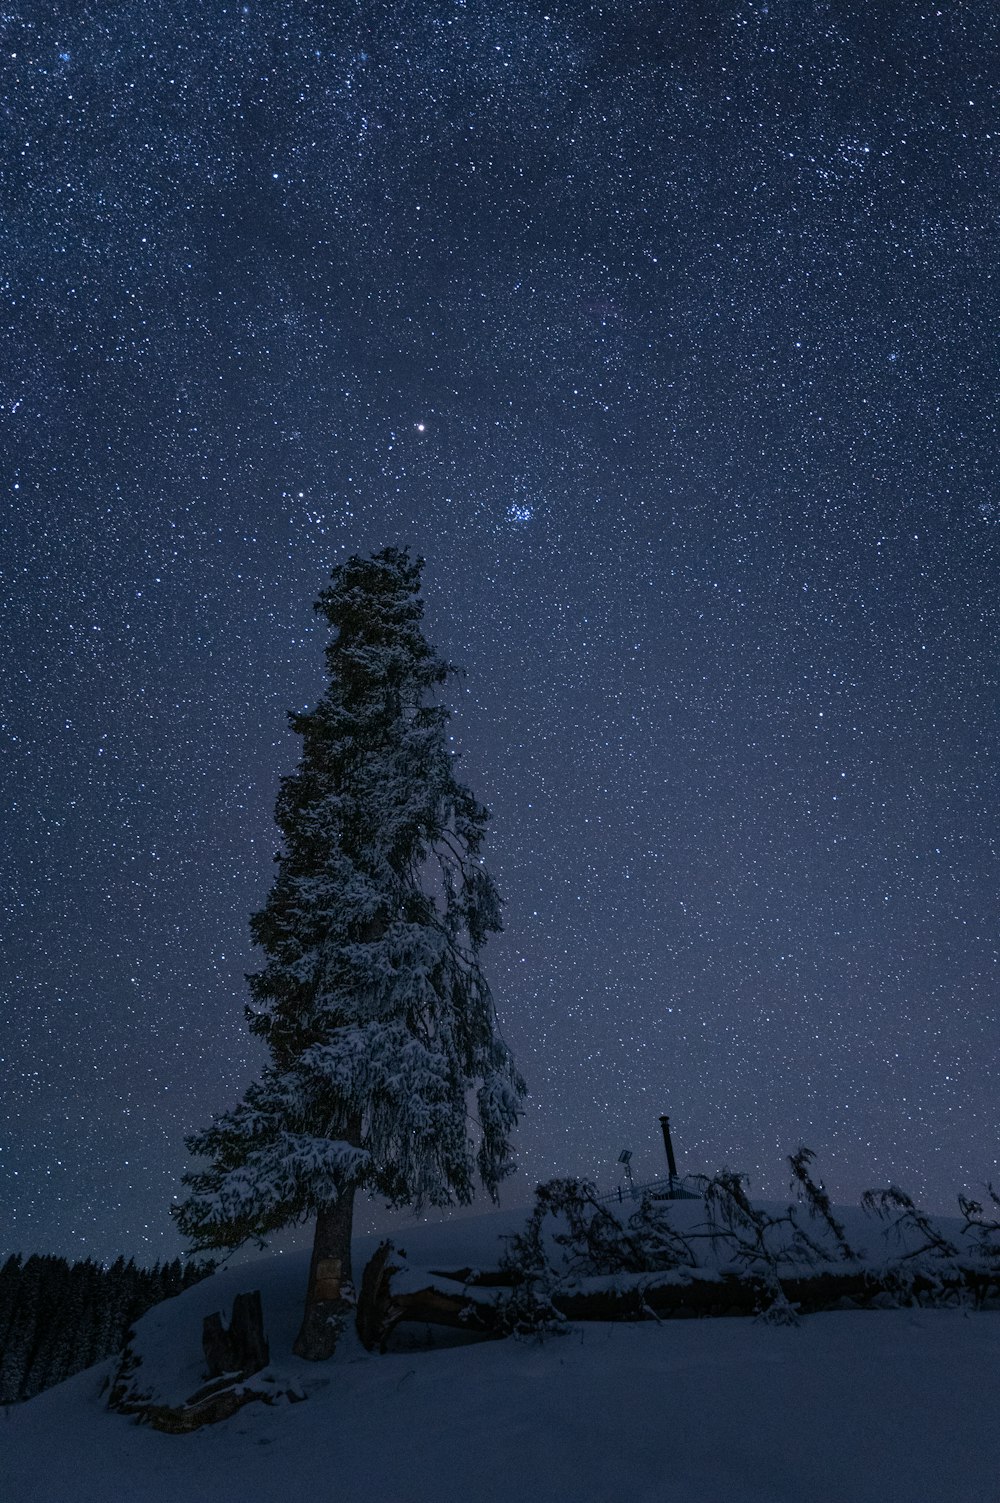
x=450 y=1299
x=477 y=1278
x=203 y=1408
x=381 y=1308
x=212 y=1402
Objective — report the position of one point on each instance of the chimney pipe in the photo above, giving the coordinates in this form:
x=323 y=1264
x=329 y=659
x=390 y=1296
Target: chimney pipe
x=668 y=1145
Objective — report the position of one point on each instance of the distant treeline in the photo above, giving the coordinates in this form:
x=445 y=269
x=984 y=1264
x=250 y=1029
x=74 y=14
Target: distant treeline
x=57 y=1318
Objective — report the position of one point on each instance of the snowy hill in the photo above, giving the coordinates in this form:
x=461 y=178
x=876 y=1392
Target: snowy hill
x=894 y=1406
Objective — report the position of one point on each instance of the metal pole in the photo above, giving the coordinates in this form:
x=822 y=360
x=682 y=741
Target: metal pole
x=671 y=1161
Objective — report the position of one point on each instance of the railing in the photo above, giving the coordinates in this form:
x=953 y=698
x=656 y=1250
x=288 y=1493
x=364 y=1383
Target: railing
x=679 y=1187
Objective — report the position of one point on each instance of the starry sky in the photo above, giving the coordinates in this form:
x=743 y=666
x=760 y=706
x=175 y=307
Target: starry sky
x=667 y=332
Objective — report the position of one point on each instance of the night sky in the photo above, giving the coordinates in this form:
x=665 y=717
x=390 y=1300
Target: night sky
x=668 y=334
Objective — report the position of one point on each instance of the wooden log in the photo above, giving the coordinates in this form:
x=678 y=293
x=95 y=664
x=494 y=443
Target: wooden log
x=476 y=1278
x=380 y=1308
x=183 y=1419
x=435 y=1306
x=210 y=1405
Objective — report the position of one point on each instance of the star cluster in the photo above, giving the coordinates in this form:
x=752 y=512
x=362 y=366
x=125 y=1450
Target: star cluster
x=668 y=335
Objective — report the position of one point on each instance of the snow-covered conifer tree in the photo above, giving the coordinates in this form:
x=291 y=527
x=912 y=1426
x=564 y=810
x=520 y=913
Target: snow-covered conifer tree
x=386 y=1070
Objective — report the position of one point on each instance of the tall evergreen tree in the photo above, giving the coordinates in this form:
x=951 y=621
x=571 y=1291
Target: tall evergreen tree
x=377 y=1016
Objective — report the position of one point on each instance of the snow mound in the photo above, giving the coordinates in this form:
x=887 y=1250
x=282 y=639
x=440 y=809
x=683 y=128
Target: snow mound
x=894 y=1406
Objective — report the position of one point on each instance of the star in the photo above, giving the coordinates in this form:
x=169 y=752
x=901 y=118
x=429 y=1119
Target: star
x=671 y=373
x=519 y=513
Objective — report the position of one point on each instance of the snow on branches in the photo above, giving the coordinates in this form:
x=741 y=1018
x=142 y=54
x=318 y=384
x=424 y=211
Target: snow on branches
x=378 y=1018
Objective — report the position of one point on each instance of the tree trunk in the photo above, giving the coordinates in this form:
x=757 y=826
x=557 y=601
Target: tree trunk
x=330 y=1293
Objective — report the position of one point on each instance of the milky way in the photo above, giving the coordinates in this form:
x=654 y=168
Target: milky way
x=667 y=333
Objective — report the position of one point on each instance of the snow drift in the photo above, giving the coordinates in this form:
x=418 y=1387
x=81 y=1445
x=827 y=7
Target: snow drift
x=894 y=1406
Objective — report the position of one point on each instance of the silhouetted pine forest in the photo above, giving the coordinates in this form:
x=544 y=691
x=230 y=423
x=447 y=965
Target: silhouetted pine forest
x=57 y=1318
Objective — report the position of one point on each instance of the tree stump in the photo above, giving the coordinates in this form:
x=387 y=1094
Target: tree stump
x=243 y=1347
x=375 y=1313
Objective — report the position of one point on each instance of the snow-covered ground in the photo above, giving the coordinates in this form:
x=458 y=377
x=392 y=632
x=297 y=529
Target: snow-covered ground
x=894 y=1406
